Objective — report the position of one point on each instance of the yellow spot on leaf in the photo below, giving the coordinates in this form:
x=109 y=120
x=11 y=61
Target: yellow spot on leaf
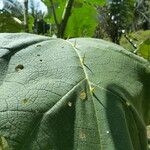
x=92 y=89
x=82 y=61
x=82 y=95
x=3 y=144
x=82 y=135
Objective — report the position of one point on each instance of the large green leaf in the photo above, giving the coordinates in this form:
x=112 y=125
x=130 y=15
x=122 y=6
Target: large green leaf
x=83 y=93
x=83 y=19
x=82 y=22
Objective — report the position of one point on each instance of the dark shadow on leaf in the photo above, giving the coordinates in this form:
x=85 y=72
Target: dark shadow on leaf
x=62 y=125
x=55 y=130
x=144 y=78
x=126 y=121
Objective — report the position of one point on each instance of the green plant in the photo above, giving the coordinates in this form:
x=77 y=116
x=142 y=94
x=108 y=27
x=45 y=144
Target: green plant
x=116 y=17
x=144 y=49
x=8 y=23
x=142 y=15
x=80 y=93
x=137 y=38
x=80 y=20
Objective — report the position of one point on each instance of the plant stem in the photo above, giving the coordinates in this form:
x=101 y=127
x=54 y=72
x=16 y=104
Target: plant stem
x=26 y=27
x=130 y=41
x=54 y=13
x=65 y=17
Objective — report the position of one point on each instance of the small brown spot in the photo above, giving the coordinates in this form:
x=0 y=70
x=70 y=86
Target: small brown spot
x=82 y=95
x=19 y=67
x=24 y=101
x=69 y=104
x=41 y=60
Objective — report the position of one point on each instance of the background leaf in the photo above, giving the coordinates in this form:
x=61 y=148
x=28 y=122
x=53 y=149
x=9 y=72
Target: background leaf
x=83 y=19
x=8 y=24
x=144 y=49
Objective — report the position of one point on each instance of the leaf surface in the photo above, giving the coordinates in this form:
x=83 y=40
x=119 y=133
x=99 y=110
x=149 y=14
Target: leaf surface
x=81 y=93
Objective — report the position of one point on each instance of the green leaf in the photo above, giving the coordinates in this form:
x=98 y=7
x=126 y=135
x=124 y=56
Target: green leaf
x=8 y=24
x=83 y=19
x=144 y=49
x=82 y=93
x=3 y=144
x=138 y=37
x=82 y=23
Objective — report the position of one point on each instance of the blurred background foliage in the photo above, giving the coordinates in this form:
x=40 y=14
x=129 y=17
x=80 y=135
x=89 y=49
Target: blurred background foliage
x=124 y=22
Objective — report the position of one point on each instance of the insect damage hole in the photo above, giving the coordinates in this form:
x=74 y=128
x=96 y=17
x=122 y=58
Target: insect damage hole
x=38 y=45
x=19 y=67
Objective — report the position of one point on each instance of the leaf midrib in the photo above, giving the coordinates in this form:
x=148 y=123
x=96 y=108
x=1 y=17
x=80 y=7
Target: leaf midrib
x=89 y=85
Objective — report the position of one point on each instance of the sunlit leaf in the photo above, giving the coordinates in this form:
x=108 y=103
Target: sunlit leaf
x=144 y=49
x=82 y=22
x=83 y=19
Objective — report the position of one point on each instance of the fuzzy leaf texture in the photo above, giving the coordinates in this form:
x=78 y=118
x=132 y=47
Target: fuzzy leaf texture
x=76 y=94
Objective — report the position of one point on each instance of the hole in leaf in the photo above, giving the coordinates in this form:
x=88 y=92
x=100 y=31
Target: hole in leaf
x=19 y=67
x=38 y=45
